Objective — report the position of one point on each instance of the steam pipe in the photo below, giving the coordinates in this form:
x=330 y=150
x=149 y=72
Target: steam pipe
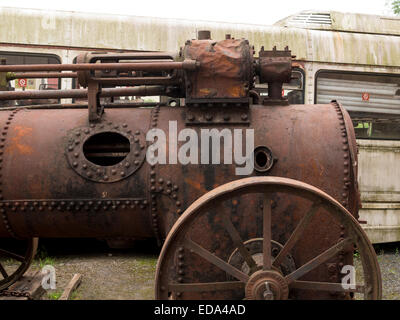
x=160 y=66
x=82 y=93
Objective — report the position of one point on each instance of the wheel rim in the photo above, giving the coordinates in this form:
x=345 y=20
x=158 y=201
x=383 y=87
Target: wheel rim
x=174 y=281
x=15 y=258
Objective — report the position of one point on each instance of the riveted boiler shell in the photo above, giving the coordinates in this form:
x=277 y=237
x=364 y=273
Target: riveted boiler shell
x=310 y=144
x=46 y=190
x=50 y=189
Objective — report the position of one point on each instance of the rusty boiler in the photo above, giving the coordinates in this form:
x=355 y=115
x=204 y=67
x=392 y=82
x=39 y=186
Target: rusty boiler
x=284 y=229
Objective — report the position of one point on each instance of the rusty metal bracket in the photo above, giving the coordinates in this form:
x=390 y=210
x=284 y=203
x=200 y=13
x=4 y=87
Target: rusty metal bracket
x=95 y=109
x=217 y=116
x=275 y=68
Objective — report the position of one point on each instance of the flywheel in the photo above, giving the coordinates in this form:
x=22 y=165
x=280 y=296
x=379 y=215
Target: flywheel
x=15 y=258
x=267 y=238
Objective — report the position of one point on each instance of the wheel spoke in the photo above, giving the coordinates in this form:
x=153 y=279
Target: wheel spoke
x=267 y=233
x=3 y=271
x=11 y=255
x=238 y=242
x=295 y=236
x=199 y=250
x=204 y=287
x=324 y=286
x=312 y=264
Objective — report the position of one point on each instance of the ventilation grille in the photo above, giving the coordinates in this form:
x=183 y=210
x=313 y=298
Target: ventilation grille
x=311 y=18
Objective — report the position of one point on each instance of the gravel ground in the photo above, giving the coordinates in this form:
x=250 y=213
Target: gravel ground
x=389 y=262
x=129 y=274
x=106 y=273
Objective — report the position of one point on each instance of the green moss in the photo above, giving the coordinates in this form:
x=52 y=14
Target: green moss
x=54 y=295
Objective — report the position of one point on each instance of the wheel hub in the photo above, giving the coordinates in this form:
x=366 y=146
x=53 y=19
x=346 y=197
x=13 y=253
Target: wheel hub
x=254 y=246
x=267 y=285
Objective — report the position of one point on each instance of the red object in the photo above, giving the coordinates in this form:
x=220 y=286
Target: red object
x=52 y=83
x=22 y=83
x=365 y=96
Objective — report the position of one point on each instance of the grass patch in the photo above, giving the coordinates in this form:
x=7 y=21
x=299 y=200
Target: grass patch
x=146 y=262
x=42 y=258
x=8 y=261
x=46 y=261
x=74 y=295
x=54 y=295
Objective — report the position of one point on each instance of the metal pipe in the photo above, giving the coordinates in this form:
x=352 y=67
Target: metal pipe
x=131 y=81
x=37 y=75
x=81 y=93
x=133 y=55
x=187 y=64
x=84 y=105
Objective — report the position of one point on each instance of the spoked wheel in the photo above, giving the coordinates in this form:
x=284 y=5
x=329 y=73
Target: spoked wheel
x=266 y=238
x=15 y=258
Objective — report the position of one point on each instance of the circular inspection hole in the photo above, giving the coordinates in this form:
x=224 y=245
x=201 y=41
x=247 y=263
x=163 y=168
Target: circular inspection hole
x=263 y=159
x=106 y=148
x=173 y=103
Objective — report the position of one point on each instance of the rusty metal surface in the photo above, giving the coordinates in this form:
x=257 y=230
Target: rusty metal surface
x=131 y=77
x=193 y=265
x=27 y=138
x=297 y=158
x=37 y=75
x=67 y=173
x=318 y=166
x=274 y=68
x=150 y=66
x=81 y=93
x=226 y=70
x=99 y=209
x=351 y=163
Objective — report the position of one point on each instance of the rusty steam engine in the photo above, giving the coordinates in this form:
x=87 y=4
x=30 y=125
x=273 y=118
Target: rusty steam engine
x=286 y=230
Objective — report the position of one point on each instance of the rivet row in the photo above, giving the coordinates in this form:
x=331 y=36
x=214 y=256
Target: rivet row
x=3 y=210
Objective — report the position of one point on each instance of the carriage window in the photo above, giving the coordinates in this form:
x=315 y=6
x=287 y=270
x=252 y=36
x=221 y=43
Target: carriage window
x=293 y=91
x=372 y=100
x=11 y=58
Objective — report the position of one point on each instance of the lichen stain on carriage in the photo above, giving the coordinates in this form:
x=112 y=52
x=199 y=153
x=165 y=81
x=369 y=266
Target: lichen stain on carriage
x=16 y=145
